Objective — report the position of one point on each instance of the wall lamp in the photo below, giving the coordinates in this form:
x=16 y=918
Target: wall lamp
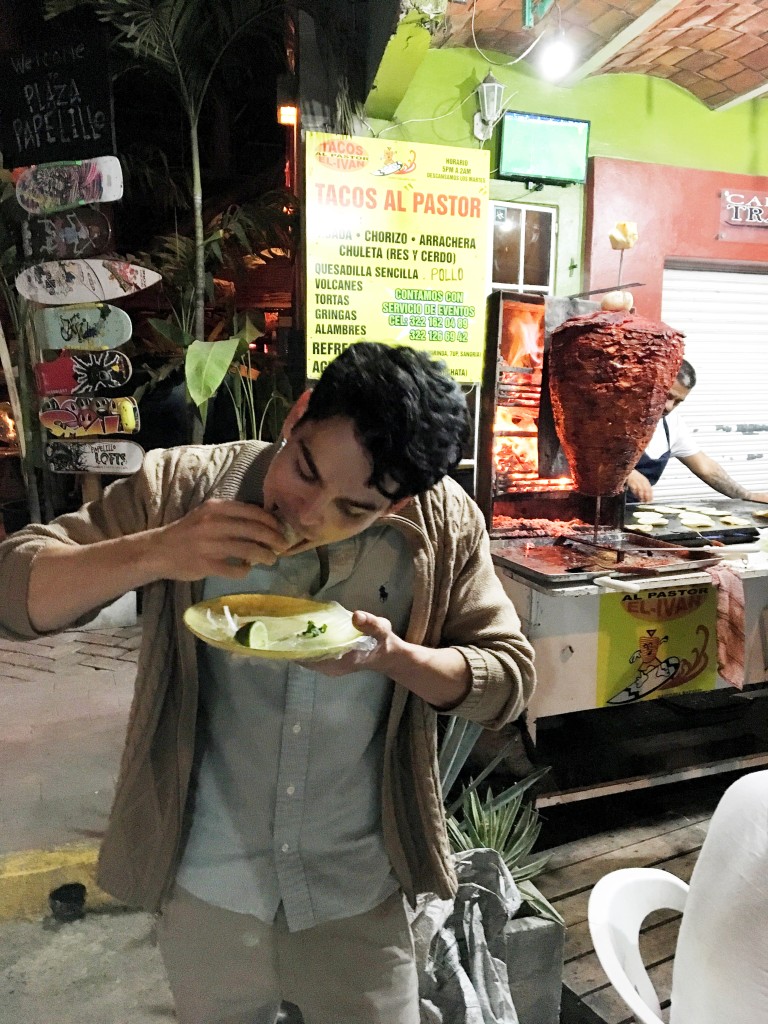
x=287 y=103
x=490 y=94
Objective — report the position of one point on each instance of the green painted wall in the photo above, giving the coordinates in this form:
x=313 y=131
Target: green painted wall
x=633 y=117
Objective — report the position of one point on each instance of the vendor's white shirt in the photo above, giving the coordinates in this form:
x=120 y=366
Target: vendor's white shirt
x=681 y=440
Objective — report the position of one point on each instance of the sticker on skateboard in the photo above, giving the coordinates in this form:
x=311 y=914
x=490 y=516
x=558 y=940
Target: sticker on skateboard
x=117 y=458
x=92 y=326
x=51 y=188
x=61 y=236
x=83 y=373
x=78 y=281
x=89 y=417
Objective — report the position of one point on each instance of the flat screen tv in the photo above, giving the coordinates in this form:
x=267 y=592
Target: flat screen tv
x=550 y=150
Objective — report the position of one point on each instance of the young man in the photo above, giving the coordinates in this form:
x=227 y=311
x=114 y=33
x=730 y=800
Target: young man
x=673 y=439
x=275 y=813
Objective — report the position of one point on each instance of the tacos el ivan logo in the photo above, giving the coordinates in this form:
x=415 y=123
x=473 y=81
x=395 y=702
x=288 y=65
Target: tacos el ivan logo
x=664 y=605
x=342 y=155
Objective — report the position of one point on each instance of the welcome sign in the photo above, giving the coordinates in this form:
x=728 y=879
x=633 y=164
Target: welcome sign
x=55 y=96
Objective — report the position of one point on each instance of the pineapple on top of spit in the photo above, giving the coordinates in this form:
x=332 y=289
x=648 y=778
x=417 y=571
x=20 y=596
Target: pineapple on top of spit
x=624 y=236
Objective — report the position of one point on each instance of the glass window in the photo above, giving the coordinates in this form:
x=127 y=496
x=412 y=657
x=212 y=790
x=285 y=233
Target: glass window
x=523 y=247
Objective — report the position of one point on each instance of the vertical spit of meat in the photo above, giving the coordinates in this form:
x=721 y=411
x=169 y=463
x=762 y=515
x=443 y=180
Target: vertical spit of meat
x=609 y=373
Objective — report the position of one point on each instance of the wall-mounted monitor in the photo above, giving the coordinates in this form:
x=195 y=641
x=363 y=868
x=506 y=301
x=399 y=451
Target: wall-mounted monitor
x=550 y=150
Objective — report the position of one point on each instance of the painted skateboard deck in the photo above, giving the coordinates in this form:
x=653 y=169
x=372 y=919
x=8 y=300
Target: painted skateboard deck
x=69 y=417
x=92 y=326
x=116 y=458
x=83 y=373
x=77 y=281
x=69 y=235
x=50 y=188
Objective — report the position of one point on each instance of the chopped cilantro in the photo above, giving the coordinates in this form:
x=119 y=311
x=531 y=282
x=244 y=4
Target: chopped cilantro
x=312 y=630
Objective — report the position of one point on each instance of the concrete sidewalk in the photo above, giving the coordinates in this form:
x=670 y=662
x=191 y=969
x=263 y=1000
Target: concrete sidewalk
x=104 y=969
x=64 y=703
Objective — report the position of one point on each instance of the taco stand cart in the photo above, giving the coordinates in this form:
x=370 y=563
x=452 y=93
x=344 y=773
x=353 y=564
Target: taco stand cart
x=609 y=713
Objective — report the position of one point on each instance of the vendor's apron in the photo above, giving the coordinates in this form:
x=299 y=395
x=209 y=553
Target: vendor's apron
x=652 y=468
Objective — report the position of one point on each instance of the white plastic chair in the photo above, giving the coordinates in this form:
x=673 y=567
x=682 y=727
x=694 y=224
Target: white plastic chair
x=618 y=905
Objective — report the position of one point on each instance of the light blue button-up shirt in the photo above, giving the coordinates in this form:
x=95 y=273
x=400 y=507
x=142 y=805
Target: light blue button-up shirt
x=288 y=794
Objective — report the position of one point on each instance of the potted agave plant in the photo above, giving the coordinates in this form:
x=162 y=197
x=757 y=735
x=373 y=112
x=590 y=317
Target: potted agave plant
x=532 y=939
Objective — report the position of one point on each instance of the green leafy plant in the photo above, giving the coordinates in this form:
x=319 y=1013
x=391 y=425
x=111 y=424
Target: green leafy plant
x=241 y=234
x=505 y=823
x=184 y=42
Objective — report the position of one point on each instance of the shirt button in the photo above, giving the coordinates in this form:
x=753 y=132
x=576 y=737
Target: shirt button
x=291 y=790
x=297 y=727
x=285 y=847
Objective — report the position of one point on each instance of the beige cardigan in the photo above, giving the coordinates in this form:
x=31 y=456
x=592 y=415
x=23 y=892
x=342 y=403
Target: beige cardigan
x=458 y=601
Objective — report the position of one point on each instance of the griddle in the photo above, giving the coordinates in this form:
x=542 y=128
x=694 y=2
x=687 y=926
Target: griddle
x=675 y=533
x=573 y=559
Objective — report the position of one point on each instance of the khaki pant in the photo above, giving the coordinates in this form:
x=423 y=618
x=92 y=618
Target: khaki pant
x=228 y=968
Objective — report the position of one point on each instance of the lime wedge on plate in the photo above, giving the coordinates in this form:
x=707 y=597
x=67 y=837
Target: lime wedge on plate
x=253 y=635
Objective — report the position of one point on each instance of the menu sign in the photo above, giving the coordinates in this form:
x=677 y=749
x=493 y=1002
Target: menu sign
x=55 y=98
x=397 y=240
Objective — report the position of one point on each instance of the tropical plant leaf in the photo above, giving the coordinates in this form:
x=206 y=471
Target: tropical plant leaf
x=171 y=332
x=206 y=365
x=253 y=325
x=156 y=376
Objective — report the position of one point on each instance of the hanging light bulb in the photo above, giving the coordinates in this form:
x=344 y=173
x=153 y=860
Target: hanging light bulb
x=556 y=58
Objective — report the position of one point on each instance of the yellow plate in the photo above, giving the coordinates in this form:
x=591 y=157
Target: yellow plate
x=284 y=617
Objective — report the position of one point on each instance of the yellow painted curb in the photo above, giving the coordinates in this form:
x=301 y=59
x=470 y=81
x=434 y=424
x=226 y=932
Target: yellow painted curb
x=27 y=878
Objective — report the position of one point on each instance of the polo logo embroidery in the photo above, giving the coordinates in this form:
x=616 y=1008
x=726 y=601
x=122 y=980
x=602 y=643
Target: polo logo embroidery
x=383 y=595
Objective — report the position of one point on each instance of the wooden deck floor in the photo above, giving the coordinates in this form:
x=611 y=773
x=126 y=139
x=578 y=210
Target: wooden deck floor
x=672 y=841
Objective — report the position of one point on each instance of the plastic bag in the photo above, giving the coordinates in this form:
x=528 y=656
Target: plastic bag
x=461 y=946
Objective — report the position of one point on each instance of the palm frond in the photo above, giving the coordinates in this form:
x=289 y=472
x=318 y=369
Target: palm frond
x=147 y=172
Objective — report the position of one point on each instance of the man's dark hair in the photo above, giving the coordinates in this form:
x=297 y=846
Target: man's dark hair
x=686 y=375
x=409 y=413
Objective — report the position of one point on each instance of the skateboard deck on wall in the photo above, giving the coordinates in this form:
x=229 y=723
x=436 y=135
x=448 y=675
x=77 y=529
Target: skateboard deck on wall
x=91 y=326
x=51 y=188
x=83 y=373
x=69 y=417
x=116 y=458
x=78 y=281
x=69 y=235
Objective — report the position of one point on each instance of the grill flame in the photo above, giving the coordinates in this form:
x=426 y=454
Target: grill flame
x=8 y=433
x=516 y=453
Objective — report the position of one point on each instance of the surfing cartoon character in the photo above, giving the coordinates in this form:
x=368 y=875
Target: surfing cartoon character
x=392 y=165
x=652 y=672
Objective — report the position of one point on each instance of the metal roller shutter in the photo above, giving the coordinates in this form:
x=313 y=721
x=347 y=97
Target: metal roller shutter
x=724 y=315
